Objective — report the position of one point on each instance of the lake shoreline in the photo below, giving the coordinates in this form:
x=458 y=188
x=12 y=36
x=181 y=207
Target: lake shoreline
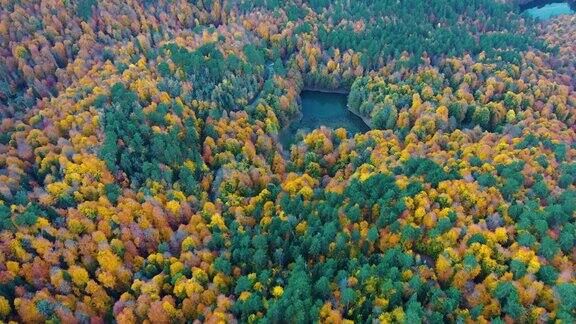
x=365 y=119
x=528 y=4
x=295 y=123
x=545 y=10
x=323 y=90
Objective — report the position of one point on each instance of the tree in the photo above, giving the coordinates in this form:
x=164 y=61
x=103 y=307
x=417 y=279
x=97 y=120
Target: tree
x=481 y=117
x=566 y=293
x=548 y=247
x=30 y=216
x=5 y=218
x=508 y=296
x=296 y=301
x=385 y=118
x=547 y=274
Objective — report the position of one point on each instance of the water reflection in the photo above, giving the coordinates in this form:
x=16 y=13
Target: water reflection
x=322 y=109
x=545 y=10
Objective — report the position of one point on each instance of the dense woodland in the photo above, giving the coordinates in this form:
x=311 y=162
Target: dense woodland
x=142 y=178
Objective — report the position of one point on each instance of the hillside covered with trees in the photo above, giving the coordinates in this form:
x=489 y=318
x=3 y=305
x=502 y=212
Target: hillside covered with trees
x=142 y=177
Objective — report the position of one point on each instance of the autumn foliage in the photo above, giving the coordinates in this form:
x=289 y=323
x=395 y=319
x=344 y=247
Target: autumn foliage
x=142 y=177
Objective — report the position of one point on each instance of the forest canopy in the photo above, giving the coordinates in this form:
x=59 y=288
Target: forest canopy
x=143 y=179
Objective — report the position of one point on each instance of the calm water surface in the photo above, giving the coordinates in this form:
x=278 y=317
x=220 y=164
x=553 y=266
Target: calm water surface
x=322 y=109
x=545 y=10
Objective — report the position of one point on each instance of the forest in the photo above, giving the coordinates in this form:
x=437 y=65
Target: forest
x=142 y=177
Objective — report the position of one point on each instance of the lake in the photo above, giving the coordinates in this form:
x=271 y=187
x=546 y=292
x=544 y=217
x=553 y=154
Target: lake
x=545 y=10
x=322 y=109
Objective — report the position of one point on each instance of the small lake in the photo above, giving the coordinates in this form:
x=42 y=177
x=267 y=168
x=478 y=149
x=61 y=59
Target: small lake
x=544 y=10
x=322 y=109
